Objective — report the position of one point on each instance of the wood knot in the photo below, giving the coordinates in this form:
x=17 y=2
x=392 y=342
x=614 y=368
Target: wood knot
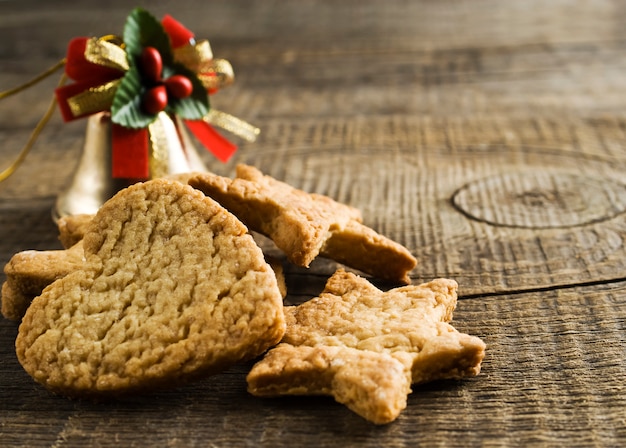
x=532 y=199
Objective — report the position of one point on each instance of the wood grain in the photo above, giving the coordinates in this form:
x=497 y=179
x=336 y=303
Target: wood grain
x=488 y=137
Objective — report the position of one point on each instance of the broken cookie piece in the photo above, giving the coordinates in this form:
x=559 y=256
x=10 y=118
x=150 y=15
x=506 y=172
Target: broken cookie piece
x=408 y=324
x=29 y=272
x=306 y=225
x=173 y=288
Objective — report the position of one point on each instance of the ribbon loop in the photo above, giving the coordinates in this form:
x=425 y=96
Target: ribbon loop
x=106 y=54
x=196 y=57
x=94 y=99
x=219 y=74
x=232 y=124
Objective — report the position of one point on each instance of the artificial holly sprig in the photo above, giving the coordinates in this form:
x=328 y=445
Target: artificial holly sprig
x=154 y=82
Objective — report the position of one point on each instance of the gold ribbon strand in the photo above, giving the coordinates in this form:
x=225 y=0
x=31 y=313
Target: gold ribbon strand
x=6 y=173
x=232 y=124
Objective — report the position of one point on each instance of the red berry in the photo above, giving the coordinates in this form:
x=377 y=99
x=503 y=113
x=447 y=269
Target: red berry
x=151 y=64
x=154 y=100
x=179 y=86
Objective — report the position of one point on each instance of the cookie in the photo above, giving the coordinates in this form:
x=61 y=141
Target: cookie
x=173 y=288
x=373 y=385
x=305 y=225
x=409 y=324
x=72 y=228
x=30 y=271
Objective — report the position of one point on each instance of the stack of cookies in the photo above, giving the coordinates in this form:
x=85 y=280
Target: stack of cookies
x=165 y=284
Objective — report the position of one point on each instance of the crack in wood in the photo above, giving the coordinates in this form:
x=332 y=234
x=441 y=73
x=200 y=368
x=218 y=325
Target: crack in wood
x=550 y=288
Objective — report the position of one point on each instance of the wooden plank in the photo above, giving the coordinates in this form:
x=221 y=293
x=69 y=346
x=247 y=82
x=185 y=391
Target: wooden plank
x=554 y=374
x=486 y=136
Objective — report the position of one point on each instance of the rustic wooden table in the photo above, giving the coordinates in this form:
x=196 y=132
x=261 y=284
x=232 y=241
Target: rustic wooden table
x=488 y=137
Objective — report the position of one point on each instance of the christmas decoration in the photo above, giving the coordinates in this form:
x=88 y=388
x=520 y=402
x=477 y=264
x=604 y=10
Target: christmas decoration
x=141 y=92
x=157 y=69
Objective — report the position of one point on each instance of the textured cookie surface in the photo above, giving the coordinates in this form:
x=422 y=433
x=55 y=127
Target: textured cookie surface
x=374 y=385
x=306 y=225
x=408 y=324
x=413 y=319
x=173 y=287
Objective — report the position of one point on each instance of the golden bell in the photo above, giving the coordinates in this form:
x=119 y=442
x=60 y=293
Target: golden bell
x=92 y=184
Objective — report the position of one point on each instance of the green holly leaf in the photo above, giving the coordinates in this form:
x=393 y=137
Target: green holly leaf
x=141 y=30
x=196 y=105
x=126 y=108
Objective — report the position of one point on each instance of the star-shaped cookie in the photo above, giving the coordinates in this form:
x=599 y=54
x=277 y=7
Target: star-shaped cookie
x=345 y=343
x=173 y=287
x=305 y=225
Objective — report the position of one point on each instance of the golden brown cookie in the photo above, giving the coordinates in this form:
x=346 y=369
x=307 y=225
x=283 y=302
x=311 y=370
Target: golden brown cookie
x=72 y=228
x=409 y=324
x=374 y=385
x=306 y=225
x=30 y=271
x=173 y=288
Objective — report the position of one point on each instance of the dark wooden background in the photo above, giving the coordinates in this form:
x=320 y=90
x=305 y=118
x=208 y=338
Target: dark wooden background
x=487 y=136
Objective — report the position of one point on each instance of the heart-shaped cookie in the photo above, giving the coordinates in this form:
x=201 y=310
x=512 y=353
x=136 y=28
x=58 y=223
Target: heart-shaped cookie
x=173 y=288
